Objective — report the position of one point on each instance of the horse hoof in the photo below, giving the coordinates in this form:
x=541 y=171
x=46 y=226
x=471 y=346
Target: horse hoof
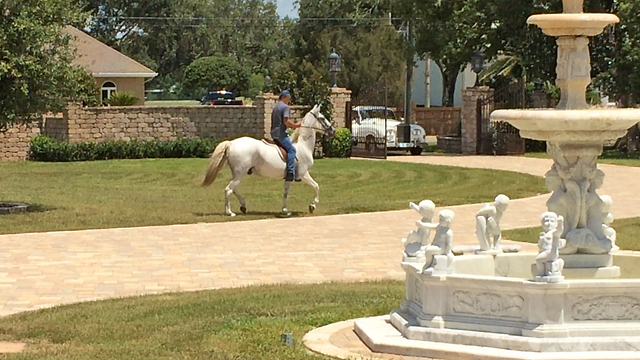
x=286 y=212
x=243 y=209
x=312 y=208
x=231 y=214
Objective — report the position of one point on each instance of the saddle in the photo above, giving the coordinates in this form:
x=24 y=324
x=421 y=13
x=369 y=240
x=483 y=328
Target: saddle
x=281 y=151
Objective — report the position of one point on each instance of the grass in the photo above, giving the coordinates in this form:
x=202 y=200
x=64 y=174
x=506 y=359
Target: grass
x=221 y=325
x=128 y=193
x=609 y=156
x=627 y=234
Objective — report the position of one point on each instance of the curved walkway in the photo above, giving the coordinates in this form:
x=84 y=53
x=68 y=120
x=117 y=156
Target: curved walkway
x=46 y=269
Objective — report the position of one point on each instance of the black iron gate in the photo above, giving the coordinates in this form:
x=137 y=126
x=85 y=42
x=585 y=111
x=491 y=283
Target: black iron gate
x=500 y=138
x=366 y=117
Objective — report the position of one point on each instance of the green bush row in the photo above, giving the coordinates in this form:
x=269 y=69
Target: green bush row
x=338 y=145
x=44 y=148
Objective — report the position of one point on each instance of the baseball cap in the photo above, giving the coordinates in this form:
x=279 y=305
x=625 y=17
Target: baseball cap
x=285 y=93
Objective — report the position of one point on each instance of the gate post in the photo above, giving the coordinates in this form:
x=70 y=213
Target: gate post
x=339 y=99
x=469 y=117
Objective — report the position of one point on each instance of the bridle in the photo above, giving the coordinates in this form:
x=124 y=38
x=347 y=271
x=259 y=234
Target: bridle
x=325 y=129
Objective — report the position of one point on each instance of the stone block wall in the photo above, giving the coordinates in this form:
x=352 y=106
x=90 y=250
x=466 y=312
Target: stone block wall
x=161 y=123
x=469 y=117
x=80 y=124
x=57 y=127
x=437 y=120
x=15 y=141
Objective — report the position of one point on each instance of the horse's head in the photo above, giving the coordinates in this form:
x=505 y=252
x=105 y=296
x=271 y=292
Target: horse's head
x=321 y=122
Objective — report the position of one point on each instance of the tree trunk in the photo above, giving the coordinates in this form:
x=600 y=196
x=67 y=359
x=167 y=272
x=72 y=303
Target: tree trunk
x=449 y=78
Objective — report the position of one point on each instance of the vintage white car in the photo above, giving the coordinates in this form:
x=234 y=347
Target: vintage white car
x=368 y=127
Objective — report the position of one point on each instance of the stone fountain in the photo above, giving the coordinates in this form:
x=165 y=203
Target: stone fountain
x=569 y=301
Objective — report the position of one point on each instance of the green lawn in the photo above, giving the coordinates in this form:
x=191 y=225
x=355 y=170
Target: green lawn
x=611 y=157
x=234 y=324
x=627 y=234
x=127 y=193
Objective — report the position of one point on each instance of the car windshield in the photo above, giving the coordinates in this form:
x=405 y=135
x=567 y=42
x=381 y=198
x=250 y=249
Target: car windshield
x=377 y=114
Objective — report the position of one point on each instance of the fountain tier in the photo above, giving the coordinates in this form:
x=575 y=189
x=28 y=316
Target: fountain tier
x=572 y=24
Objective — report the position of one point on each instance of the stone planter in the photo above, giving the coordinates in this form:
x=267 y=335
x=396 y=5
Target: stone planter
x=450 y=144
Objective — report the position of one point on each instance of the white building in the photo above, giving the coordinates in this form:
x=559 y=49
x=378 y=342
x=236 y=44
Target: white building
x=427 y=84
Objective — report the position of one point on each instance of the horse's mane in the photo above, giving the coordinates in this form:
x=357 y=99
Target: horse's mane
x=295 y=135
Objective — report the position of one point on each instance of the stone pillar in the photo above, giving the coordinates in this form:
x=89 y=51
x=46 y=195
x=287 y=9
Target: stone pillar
x=264 y=106
x=339 y=99
x=469 y=117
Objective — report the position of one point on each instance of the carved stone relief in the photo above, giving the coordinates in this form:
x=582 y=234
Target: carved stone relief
x=466 y=302
x=606 y=308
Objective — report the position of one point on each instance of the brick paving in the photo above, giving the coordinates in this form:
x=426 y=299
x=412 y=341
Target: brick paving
x=46 y=269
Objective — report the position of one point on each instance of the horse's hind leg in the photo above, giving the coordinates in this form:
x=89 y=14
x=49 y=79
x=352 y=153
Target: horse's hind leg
x=309 y=180
x=230 y=189
x=243 y=204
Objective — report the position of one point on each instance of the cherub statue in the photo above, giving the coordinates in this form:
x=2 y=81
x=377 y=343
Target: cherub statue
x=607 y=219
x=417 y=240
x=442 y=242
x=548 y=261
x=488 y=223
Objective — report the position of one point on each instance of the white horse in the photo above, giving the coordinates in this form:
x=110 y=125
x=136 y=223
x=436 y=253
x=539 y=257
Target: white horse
x=247 y=155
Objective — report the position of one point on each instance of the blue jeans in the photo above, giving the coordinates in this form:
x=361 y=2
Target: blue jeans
x=286 y=143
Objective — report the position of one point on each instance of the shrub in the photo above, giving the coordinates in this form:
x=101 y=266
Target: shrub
x=44 y=148
x=122 y=99
x=338 y=145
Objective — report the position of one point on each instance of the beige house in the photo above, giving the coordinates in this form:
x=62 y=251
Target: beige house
x=112 y=70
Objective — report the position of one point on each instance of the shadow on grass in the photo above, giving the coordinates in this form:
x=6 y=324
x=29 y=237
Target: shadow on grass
x=256 y=213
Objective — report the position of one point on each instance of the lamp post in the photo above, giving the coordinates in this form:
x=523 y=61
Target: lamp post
x=335 y=66
x=267 y=83
x=477 y=64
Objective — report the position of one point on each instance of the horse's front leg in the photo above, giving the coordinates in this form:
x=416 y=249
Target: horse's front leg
x=287 y=186
x=309 y=180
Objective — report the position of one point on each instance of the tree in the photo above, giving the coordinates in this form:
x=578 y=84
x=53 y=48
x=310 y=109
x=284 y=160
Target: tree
x=36 y=71
x=448 y=32
x=215 y=73
x=168 y=35
x=359 y=30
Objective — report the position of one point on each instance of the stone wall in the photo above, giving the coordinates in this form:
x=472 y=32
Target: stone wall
x=15 y=141
x=437 y=120
x=57 y=127
x=161 y=123
x=80 y=124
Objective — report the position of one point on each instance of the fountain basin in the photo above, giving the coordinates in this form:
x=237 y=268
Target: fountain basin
x=583 y=125
x=490 y=309
x=572 y=24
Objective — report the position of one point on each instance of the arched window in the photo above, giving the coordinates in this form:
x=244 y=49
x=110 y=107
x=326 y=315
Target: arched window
x=108 y=88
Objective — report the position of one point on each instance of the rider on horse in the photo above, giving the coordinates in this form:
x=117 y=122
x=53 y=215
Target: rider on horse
x=280 y=120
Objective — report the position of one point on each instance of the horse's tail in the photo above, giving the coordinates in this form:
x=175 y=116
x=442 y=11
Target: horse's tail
x=218 y=159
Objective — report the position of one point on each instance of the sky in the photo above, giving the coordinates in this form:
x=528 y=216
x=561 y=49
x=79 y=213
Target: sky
x=285 y=8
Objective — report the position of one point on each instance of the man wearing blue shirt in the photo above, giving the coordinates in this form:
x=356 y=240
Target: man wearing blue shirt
x=280 y=120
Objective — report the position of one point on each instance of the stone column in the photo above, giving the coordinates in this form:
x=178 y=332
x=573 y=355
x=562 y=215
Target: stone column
x=264 y=106
x=469 y=117
x=339 y=99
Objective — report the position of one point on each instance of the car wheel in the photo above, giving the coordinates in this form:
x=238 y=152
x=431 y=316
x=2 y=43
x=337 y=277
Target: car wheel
x=416 y=150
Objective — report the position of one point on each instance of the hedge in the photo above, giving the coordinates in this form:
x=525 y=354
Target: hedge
x=339 y=145
x=44 y=148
